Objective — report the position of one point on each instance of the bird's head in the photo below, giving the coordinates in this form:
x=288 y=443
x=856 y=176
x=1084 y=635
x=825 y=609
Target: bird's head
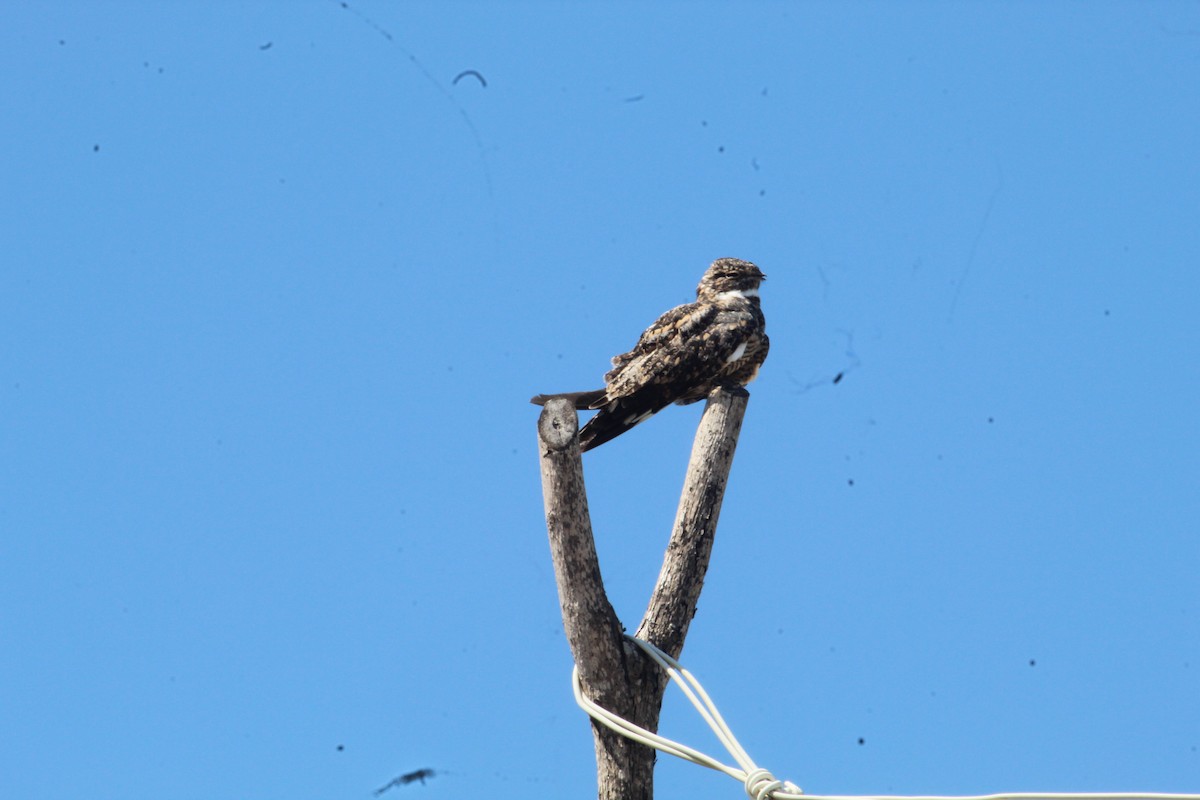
x=730 y=277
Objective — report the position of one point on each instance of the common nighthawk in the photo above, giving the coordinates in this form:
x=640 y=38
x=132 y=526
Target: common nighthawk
x=719 y=340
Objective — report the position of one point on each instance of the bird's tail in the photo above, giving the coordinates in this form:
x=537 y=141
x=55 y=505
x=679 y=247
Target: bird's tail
x=581 y=400
x=615 y=417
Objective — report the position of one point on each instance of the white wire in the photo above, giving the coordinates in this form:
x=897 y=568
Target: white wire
x=761 y=784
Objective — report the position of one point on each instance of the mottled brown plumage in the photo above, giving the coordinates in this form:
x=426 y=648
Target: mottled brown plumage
x=718 y=341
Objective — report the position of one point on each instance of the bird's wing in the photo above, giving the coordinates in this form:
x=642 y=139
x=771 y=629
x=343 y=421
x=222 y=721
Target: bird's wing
x=680 y=358
x=685 y=318
x=685 y=347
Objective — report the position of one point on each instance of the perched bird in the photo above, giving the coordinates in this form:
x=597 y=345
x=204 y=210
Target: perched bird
x=718 y=341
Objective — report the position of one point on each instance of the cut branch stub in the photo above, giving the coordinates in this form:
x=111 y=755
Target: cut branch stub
x=557 y=424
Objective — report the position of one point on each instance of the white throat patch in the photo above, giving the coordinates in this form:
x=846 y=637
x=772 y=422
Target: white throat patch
x=742 y=293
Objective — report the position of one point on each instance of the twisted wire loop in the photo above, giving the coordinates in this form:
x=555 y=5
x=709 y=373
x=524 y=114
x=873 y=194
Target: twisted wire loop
x=760 y=783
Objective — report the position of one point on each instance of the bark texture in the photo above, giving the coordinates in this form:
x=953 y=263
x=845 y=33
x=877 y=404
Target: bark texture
x=612 y=671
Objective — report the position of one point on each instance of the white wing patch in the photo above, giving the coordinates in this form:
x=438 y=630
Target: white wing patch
x=634 y=419
x=736 y=354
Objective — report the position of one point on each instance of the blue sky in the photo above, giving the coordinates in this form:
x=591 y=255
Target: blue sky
x=276 y=290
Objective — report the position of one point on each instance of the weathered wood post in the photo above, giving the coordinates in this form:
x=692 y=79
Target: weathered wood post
x=614 y=673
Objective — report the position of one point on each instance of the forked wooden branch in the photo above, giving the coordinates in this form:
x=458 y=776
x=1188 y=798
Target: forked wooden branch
x=614 y=673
